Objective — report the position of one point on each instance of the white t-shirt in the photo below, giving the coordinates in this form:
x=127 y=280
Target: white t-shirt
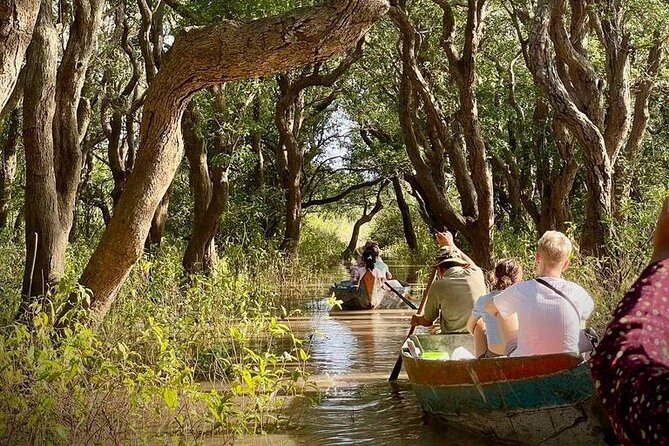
x=547 y=322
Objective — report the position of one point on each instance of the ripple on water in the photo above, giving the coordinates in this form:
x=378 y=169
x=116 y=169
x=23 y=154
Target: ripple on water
x=351 y=357
x=371 y=414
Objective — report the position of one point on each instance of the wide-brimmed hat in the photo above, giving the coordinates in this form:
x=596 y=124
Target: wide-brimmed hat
x=450 y=256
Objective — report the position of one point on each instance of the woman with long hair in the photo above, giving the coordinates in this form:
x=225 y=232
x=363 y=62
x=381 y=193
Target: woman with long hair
x=488 y=337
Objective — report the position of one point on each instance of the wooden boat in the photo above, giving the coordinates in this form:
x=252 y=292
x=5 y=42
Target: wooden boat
x=370 y=294
x=547 y=400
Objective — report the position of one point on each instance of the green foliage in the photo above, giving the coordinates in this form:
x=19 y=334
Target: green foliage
x=175 y=358
x=320 y=245
x=386 y=229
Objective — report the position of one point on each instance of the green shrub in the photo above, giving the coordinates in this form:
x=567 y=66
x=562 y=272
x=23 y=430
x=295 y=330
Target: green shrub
x=320 y=244
x=138 y=377
x=386 y=229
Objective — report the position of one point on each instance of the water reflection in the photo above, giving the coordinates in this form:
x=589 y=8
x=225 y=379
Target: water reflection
x=352 y=354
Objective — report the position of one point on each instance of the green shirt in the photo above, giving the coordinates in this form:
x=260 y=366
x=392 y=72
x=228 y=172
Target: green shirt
x=454 y=296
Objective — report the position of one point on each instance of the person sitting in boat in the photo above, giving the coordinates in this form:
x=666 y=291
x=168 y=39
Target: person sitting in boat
x=457 y=285
x=488 y=339
x=373 y=261
x=551 y=310
x=357 y=268
x=630 y=366
x=366 y=259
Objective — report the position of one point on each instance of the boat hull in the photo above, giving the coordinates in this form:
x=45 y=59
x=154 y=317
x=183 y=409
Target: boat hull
x=548 y=400
x=358 y=298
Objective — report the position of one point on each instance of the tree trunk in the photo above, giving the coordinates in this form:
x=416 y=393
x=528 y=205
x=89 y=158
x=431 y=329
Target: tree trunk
x=257 y=145
x=200 y=256
x=159 y=221
x=8 y=170
x=481 y=240
x=200 y=252
x=17 y=20
x=365 y=218
x=200 y=58
x=597 y=112
x=291 y=236
x=555 y=186
x=212 y=189
x=407 y=225
x=46 y=238
x=625 y=168
x=597 y=226
x=434 y=136
x=53 y=146
x=289 y=116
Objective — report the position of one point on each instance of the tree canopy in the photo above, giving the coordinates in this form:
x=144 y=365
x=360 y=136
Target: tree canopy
x=486 y=115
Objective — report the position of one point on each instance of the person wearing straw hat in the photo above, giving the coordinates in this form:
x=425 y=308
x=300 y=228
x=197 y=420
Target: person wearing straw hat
x=457 y=285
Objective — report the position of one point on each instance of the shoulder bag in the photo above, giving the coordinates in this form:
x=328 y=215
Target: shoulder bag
x=588 y=338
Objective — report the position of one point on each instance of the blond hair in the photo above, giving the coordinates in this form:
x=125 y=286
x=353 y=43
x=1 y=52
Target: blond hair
x=555 y=247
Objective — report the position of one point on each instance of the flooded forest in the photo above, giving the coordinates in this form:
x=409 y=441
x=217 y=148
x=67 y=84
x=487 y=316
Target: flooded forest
x=188 y=186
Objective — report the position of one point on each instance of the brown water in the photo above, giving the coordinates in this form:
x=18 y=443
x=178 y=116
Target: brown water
x=352 y=354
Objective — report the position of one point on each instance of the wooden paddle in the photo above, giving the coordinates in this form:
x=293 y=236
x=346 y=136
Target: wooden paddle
x=398 y=365
x=404 y=299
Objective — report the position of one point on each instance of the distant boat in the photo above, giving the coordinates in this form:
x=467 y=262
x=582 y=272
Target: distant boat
x=370 y=294
x=547 y=400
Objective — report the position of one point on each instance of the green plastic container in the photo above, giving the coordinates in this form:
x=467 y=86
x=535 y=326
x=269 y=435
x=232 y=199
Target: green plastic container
x=435 y=355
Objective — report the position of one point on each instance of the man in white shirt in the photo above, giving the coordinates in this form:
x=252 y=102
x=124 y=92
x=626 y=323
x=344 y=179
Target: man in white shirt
x=547 y=322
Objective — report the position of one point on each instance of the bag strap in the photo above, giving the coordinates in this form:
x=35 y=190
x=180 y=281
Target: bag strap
x=560 y=293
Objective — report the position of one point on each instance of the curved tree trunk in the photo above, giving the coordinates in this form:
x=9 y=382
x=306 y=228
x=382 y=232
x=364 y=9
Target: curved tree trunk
x=120 y=154
x=200 y=58
x=432 y=138
x=289 y=117
x=151 y=36
x=597 y=111
x=17 y=20
x=200 y=255
x=365 y=218
x=628 y=162
x=210 y=183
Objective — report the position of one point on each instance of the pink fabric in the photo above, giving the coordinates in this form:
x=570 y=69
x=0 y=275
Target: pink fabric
x=631 y=364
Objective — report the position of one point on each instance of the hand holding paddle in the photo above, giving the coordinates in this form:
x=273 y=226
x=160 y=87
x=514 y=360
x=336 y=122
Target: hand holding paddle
x=398 y=365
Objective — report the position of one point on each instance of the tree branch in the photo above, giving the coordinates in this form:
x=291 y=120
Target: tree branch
x=341 y=195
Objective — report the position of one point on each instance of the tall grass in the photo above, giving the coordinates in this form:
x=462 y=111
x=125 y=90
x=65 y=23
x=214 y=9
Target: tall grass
x=177 y=358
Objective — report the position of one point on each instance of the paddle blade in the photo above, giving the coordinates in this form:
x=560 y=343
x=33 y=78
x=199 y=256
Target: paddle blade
x=396 y=370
